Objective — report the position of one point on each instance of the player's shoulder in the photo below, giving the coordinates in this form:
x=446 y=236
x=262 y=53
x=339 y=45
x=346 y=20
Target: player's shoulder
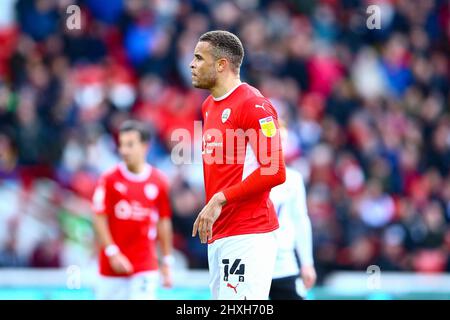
x=159 y=177
x=254 y=101
x=250 y=93
x=110 y=174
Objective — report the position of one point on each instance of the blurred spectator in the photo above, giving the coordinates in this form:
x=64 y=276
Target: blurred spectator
x=375 y=208
x=37 y=18
x=393 y=254
x=9 y=257
x=8 y=156
x=46 y=254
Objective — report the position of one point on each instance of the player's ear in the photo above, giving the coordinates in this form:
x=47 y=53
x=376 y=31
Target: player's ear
x=221 y=64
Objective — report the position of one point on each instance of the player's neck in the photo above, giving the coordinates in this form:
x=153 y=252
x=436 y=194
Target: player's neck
x=136 y=168
x=225 y=86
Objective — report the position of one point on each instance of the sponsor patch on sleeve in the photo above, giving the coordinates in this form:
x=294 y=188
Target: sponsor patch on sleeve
x=268 y=127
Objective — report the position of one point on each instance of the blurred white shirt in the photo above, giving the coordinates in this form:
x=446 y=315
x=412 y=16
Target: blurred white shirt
x=294 y=234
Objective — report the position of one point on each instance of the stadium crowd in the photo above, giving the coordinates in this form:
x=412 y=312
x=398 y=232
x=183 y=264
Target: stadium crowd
x=368 y=114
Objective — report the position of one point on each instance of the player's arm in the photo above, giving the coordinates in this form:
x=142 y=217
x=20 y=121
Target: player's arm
x=165 y=234
x=104 y=237
x=303 y=234
x=119 y=263
x=258 y=116
x=165 y=237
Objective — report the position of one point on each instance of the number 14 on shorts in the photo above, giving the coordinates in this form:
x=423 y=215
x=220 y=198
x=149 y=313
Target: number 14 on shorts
x=237 y=268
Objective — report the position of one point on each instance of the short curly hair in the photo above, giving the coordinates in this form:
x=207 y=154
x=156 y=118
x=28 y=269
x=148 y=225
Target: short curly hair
x=225 y=45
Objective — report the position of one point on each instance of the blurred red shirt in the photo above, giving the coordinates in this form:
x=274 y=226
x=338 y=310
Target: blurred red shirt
x=133 y=204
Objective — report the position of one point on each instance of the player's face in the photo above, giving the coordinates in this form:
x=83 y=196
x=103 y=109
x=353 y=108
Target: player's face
x=132 y=150
x=203 y=67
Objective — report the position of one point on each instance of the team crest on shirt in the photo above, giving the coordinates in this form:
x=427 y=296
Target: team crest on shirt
x=226 y=114
x=151 y=191
x=120 y=187
x=268 y=127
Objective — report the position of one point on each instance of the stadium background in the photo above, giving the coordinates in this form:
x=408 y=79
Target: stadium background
x=367 y=113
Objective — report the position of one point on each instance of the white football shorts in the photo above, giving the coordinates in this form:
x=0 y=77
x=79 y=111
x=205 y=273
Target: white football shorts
x=241 y=266
x=140 y=286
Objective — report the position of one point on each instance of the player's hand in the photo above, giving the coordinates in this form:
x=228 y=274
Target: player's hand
x=308 y=276
x=206 y=218
x=167 y=281
x=120 y=264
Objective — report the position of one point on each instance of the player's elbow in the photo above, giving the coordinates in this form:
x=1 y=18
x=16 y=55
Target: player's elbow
x=281 y=175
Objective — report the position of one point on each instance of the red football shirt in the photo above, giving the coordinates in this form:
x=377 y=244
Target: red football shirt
x=240 y=135
x=133 y=204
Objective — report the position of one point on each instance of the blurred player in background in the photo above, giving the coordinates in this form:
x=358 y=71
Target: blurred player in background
x=239 y=220
x=294 y=237
x=132 y=211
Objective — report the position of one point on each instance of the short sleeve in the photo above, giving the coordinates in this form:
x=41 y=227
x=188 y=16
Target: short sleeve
x=259 y=120
x=163 y=200
x=99 y=198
